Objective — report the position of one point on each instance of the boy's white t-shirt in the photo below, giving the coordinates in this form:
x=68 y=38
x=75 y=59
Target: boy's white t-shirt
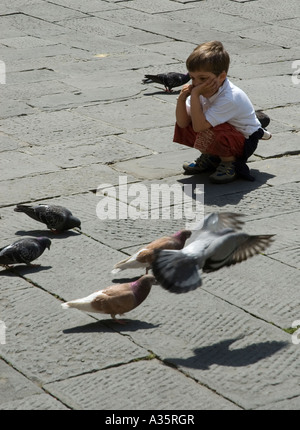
x=230 y=104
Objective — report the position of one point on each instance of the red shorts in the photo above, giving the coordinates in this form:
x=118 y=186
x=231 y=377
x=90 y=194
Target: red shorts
x=224 y=140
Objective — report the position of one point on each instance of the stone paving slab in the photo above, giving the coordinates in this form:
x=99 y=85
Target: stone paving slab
x=121 y=388
x=278 y=169
x=91 y=151
x=281 y=311
x=279 y=91
x=261 y=202
x=220 y=345
x=49 y=56
x=143 y=114
x=14 y=386
x=80 y=179
x=276 y=148
x=50 y=344
x=287 y=115
x=256 y=202
x=54 y=127
x=40 y=402
x=22 y=165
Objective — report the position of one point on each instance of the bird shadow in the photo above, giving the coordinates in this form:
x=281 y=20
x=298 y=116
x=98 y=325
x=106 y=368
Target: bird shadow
x=47 y=233
x=22 y=270
x=106 y=325
x=125 y=280
x=222 y=195
x=220 y=354
x=154 y=93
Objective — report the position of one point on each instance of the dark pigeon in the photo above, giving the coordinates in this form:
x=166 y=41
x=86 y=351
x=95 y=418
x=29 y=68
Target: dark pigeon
x=55 y=217
x=169 y=80
x=215 y=246
x=263 y=118
x=24 y=251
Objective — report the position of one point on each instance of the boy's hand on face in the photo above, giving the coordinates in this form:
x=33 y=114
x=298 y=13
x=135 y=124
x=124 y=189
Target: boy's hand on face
x=207 y=88
x=185 y=91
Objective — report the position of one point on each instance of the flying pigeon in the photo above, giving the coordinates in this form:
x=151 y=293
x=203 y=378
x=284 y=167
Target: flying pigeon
x=169 y=80
x=24 y=251
x=56 y=218
x=115 y=299
x=212 y=249
x=144 y=257
x=216 y=222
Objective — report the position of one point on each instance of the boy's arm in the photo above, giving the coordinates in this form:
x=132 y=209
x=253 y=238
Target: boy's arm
x=198 y=118
x=182 y=117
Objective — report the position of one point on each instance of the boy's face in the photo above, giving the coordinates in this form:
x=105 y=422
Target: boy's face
x=202 y=77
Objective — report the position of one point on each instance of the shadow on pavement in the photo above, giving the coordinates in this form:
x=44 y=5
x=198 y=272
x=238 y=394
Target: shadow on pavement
x=220 y=354
x=223 y=194
x=21 y=270
x=109 y=324
x=47 y=233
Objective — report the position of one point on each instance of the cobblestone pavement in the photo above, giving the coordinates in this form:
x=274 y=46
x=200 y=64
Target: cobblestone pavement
x=74 y=116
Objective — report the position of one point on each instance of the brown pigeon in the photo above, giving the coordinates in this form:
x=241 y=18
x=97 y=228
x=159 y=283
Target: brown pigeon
x=115 y=299
x=144 y=257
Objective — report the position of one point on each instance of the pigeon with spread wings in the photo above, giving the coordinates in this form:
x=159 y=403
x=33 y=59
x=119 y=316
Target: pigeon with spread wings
x=215 y=246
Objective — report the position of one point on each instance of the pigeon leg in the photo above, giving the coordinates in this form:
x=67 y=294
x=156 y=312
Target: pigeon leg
x=118 y=320
x=55 y=231
x=7 y=266
x=33 y=265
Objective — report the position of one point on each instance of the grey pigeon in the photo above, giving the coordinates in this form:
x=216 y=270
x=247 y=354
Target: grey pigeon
x=216 y=222
x=115 y=299
x=57 y=218
x=213 y=248
x=169 y=80
x=24 y=251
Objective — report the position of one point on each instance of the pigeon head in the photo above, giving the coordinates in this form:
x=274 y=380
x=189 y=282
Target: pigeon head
x=73 y=222
x=45 y=242
x=141 y=288
x=183 y=235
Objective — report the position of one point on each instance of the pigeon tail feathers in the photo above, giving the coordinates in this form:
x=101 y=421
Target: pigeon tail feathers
x=130 y=262
x=28 y=210
x=83 y=304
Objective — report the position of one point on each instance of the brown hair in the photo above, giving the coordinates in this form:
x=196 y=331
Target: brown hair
x=209 y=57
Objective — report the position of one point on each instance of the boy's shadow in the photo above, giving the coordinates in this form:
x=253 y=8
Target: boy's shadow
x=223 y=194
